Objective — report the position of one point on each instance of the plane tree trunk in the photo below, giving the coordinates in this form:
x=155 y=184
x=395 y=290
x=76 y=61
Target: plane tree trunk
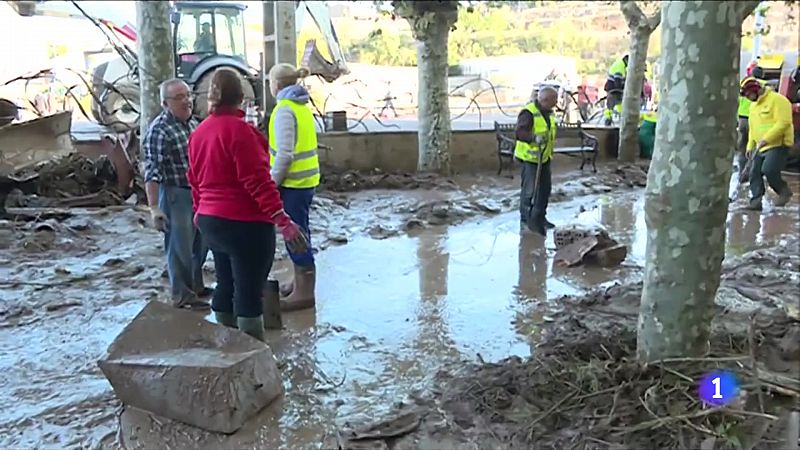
x=686 y=199
x=430 y=23
x=641 y=28
x=156 y=61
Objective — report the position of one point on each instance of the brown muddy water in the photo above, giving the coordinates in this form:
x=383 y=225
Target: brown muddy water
x=391 y=313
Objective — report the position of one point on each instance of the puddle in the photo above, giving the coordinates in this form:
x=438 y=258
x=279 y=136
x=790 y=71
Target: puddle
x=390 y=314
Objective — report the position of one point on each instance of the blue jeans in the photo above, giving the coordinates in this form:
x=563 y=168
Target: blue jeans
x=297 y=204
x=186 y=252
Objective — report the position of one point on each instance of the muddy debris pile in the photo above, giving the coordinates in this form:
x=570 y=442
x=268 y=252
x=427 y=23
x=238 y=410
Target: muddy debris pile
x=73 y=180
x=586 y=389
x=351 y=180
x=582 y=245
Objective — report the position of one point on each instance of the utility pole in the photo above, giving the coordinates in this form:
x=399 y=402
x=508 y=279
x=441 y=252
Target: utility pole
x=156 y=61
x=280 y=41
x=759 y=30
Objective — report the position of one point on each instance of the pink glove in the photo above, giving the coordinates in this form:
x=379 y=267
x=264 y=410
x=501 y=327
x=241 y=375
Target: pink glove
x=294 y=237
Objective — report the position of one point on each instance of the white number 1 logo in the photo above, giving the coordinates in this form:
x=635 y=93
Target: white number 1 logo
x=716 y=382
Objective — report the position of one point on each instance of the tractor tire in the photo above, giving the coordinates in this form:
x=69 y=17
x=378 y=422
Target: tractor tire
x=202 y=87
x=120 y=108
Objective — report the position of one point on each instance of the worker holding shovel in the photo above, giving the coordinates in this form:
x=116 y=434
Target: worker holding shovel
x=535 y=135
x=770 y=136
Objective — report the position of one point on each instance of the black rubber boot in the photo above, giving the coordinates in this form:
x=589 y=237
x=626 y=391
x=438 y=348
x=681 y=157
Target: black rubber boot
x=536 y=222
x=784 y=197
x=754 y=205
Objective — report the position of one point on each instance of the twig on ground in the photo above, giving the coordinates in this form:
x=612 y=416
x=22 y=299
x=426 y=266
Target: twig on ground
x=751 y=332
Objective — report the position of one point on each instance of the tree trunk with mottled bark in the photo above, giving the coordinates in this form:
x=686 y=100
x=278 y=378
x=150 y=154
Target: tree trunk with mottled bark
x=641 y=28
x=430 y=24
x=686 y=199
x=433 y=115
x=156 y=60
x=632 y=97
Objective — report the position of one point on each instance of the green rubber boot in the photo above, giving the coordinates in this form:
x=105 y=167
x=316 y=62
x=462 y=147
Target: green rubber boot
x=254 y=326
x=224 y=318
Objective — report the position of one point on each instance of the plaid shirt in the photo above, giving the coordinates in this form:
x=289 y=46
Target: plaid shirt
x=166 y=150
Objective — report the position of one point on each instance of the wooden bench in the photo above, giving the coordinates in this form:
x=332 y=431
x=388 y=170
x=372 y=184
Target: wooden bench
x=506 y=141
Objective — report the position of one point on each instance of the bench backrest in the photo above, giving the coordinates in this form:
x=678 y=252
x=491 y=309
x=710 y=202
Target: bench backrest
x=507 y=131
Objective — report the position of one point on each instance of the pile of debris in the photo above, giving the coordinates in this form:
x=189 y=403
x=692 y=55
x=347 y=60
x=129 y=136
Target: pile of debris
x=73 y=180
x=579 y=245
x=586 y=389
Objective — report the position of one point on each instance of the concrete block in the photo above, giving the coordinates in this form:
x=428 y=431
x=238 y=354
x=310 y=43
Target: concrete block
x=175 y=364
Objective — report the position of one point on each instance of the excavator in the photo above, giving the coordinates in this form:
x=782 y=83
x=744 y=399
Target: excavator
x=206 y=35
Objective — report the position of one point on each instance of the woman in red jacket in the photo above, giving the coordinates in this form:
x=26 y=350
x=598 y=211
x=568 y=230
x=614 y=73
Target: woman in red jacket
x=237 y=205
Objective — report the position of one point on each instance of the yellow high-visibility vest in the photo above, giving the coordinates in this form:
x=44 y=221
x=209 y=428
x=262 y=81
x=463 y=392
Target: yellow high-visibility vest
x=530 y=152
x=304 y=170
x=618 y=68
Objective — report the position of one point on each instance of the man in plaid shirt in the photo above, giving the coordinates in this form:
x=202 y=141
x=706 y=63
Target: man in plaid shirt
x=169 y=197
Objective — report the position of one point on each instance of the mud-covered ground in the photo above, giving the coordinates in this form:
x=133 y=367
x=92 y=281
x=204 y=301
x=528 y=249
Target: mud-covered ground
x=585 y=389
x=412 y=282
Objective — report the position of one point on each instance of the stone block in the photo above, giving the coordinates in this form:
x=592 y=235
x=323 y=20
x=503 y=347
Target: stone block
x=175 y=364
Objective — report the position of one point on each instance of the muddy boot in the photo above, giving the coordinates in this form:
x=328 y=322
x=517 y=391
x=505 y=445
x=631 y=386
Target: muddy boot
x=254 y=326
x=537 y=223
x=784 y=197
x=754 y=205
x=225 y=318
x=302 y=297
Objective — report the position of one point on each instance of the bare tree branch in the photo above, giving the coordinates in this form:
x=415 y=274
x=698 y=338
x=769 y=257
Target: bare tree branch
x=633 y=14
x=655 y=20
x=745 y=8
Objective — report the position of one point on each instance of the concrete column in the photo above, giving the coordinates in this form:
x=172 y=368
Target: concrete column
x=156 y=59
x=268 y=56
x=286 y=39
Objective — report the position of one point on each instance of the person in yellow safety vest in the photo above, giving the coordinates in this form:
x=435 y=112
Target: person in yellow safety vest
x=743 y=112
x=294 y=167
x=770 y=136
x=615 y=84
x=535 y=136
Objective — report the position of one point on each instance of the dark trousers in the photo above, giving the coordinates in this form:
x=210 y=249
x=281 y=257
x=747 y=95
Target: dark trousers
x=527 y=191
x=243 y=253
x=768 y=164
x=297 y=204
x=741 y=143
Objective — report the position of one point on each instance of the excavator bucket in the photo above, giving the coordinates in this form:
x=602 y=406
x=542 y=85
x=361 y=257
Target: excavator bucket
x=318 y=65
x=25 y=144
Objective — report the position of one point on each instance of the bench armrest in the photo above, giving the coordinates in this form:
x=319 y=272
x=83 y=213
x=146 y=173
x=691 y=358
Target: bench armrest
x=587 y=139
x=504 y=138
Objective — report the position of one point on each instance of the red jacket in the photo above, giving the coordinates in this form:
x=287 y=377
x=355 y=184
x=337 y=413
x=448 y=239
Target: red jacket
x=229 y=170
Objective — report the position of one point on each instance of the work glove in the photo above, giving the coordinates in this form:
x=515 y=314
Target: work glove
x=540 y=140
x=296 y=240
x=158 y=219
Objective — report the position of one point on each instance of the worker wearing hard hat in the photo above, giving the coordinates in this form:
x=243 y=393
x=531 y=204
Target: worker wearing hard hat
x=770 y=136
x=744 y=113
x=614 y=87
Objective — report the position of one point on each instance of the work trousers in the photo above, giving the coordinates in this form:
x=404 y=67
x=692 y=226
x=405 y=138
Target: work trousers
x=243 y=253
x=297 y=204
x=613 y=99
x=529 y=191
x=768 y=164
x=183 y=243
x=741 y=143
